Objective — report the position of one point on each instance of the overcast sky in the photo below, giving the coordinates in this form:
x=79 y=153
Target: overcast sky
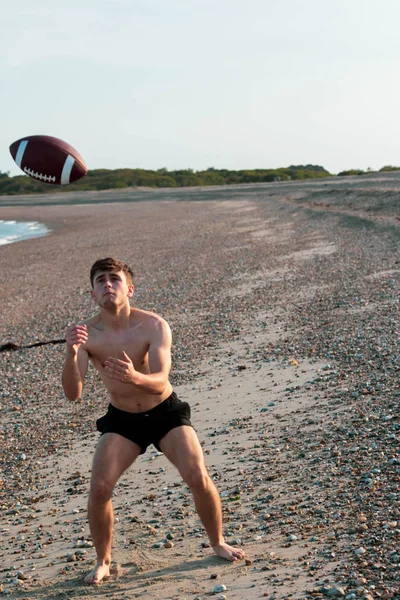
x=204 y=83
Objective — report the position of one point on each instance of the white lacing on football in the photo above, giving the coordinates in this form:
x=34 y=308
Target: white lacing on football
x=31 y=173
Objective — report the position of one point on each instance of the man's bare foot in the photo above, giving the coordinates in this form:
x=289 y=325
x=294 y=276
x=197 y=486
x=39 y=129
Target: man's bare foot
x=97 y=574
x=228 y=552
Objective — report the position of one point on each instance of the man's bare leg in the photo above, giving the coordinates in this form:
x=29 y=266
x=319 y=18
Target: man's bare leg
x=114 y=454
x=208 y=506
x=182 y=447
x=101 y=520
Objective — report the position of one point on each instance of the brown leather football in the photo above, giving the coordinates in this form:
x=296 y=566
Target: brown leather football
x=48 y=159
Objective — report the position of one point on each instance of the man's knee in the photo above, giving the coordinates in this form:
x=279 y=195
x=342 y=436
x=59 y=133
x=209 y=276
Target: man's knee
x=197 y=479
x=101 y=490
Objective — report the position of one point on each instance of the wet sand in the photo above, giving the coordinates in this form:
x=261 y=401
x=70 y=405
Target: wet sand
x=284 y=306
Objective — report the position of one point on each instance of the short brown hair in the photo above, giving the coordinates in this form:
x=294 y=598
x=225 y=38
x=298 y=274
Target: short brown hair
x=111 y=264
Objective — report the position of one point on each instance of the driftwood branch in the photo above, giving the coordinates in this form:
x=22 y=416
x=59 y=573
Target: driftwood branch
x=11 y=347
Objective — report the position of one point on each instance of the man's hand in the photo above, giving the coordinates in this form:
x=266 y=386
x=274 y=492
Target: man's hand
x=75 y=336
x=122 y=370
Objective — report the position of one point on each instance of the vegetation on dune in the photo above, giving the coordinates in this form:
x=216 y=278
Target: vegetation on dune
x=388 y=168
x=105 y=179
x=350 y=172
x=385 y=169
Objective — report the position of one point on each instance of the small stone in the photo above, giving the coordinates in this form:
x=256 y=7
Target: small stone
x=219 y=588
x=84 y=544
x=362 y=518
x=335 y=592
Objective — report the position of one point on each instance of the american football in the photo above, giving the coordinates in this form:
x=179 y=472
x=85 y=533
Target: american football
x=48 y=159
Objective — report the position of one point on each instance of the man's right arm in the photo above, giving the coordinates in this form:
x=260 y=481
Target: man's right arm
x=76 y=362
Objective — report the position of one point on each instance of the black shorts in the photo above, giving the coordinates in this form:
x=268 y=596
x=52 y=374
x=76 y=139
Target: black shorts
x=148 y=427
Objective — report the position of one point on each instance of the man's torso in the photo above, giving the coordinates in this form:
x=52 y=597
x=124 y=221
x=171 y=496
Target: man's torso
x=135 y=341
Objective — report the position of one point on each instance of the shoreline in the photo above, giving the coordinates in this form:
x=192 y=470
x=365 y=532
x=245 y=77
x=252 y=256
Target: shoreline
x=11 y=232
x=283 y=316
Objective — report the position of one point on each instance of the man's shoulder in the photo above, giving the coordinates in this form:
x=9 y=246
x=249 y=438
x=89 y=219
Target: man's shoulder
x=148 y=318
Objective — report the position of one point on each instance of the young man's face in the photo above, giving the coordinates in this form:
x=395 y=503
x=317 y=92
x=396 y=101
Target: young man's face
x=111 y=289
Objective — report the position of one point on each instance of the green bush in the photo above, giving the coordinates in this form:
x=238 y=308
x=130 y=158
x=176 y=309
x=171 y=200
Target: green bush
x=351 y=172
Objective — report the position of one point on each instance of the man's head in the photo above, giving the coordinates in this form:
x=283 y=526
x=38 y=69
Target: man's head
x=111 y=265
x=111 y=281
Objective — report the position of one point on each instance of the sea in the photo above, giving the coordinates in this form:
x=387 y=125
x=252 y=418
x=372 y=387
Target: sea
x=15 y=231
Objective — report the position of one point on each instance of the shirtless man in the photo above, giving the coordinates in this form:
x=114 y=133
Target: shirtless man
x=131 y=349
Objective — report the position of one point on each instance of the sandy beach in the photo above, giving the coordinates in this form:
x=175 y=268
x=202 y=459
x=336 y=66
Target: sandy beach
x=283 y=301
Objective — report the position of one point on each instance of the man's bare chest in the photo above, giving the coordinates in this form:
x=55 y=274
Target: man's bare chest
x=101 y=347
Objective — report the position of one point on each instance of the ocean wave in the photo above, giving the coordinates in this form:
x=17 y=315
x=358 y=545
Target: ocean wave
x=8 y=240
x=16 y=231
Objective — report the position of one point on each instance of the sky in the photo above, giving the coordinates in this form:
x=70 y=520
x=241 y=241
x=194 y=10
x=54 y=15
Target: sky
x=236 y=84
